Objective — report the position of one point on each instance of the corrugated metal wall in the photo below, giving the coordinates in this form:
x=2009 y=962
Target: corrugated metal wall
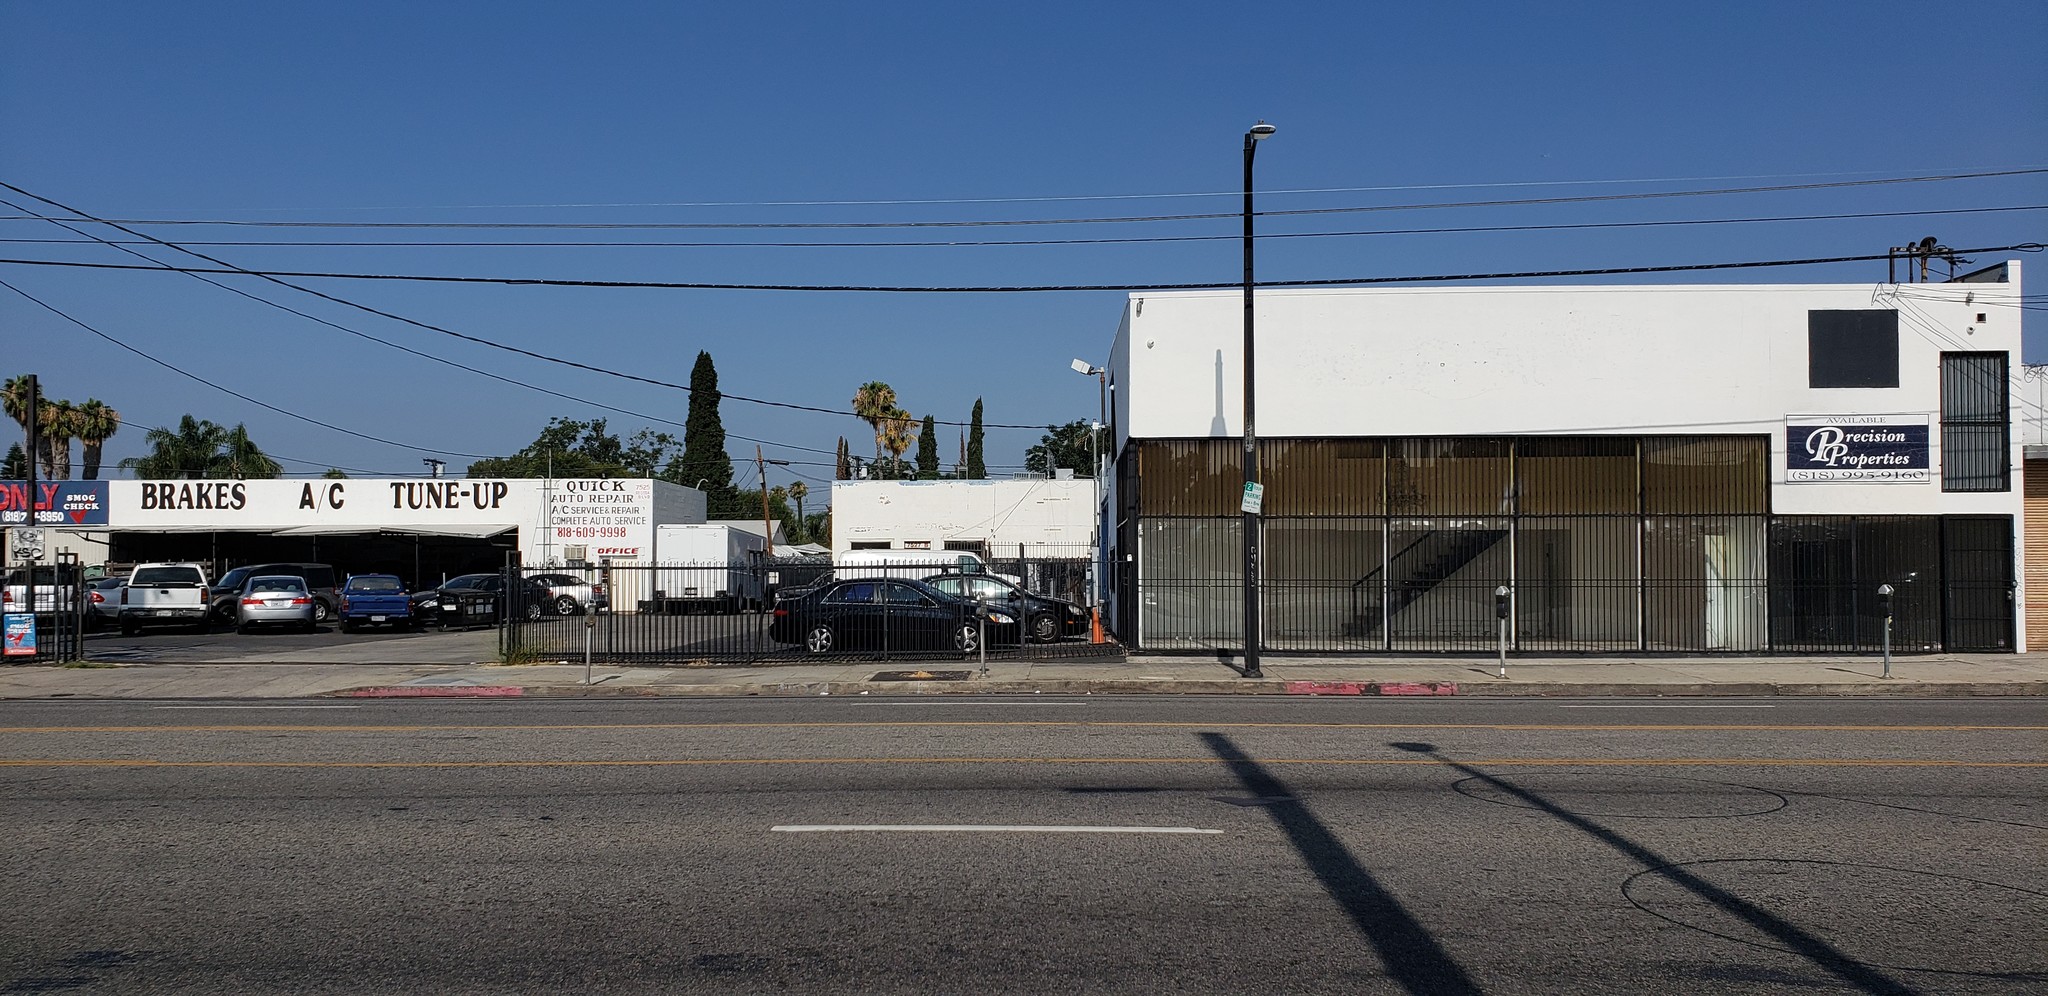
x=2037 y=553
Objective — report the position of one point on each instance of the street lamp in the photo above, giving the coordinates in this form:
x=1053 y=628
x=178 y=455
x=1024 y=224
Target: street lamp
x=1251 y=436
x=1101 y=375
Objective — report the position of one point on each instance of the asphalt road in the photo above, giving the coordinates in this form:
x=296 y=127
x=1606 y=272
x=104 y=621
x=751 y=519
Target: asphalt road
x=1207 y=845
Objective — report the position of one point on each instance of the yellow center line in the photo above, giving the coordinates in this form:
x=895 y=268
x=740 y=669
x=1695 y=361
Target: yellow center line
x=1026 y=724
x=1813 y=762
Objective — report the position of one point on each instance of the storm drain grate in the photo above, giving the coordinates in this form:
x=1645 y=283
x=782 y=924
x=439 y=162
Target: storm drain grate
x=921 y=675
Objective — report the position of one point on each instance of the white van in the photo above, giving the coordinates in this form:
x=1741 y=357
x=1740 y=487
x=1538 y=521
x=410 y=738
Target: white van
x=913 y=564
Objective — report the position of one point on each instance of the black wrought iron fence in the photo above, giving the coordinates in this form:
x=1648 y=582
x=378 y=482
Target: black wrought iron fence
x=47 y=612
x=791 y=610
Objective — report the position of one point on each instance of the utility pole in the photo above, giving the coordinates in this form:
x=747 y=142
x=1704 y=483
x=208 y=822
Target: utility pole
x=767 y=524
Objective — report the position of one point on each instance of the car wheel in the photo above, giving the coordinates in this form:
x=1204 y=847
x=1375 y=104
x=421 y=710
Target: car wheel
x=321 y=613
x=347 y=627
x=533 y=611
x=567 y=605
x=242 y=628
x=818 y=639
x=1044 y=628
x=967 y=638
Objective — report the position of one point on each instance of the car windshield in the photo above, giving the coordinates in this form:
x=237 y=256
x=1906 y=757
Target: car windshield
x=234 y=578
x=277 y=584
x=387 y=586
x=166 y=575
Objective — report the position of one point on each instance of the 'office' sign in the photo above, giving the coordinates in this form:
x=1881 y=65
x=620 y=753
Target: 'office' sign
x=1873 y=449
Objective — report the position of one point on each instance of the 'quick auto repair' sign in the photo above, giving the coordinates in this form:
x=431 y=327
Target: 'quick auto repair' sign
x=1877 y=449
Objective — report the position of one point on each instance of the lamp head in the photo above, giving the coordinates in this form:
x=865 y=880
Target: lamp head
x=1082 y=367
x=1261 y=130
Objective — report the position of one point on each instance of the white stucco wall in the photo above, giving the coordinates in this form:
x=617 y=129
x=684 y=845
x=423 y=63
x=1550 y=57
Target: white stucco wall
x=1050 y=518
x=1464 y=361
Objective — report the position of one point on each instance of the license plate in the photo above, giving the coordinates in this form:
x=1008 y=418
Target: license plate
x=163 y=612
x=277 y=603
x=377 y=618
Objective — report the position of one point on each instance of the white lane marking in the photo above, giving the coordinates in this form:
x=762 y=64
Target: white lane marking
x=259 y=707
x=974 y=828
x=1667 y=707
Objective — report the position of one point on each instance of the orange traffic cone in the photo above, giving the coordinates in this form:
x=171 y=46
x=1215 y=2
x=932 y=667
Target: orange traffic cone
x=1095 y=626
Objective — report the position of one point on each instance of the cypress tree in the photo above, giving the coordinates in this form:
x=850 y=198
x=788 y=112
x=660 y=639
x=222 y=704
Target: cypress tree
x=976 y=469
x=842 y=470
x=704 y=457
x=928 y=450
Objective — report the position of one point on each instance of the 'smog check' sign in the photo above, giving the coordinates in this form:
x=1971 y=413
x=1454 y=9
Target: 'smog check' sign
x=1878 y=449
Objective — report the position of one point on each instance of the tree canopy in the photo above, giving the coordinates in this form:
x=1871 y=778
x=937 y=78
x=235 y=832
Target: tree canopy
x=977 y=467
x=569 y=448
x=198 y=449
x=1063 y=446
x=928 y=450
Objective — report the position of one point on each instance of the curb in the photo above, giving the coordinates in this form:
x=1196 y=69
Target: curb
x=1893 y=689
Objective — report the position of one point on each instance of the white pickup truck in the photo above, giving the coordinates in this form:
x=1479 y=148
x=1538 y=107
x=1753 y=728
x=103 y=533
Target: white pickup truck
x=55 y=589
x=165 y=594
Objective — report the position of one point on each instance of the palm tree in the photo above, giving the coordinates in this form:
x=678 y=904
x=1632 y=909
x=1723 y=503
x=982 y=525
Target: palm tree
x=240 y=457
x=798 y=491
x=14 y=397
x=873 y=403
x=897 y=436
x=188 y=451
x=95 y=423
x=59 y=426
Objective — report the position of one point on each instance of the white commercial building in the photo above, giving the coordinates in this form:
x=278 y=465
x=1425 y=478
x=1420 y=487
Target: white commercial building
x=1645 y=468
x=1045 y=518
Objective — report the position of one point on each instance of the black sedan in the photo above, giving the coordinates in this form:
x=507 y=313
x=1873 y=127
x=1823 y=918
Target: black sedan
x=1045 y=618
x=885 y=614
x=480 y=598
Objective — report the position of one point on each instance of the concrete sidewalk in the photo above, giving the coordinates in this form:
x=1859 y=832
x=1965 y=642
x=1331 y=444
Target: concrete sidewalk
x=1947 y=675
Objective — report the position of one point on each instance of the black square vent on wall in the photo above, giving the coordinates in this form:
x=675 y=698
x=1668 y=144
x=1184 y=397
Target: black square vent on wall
x=1852 y=348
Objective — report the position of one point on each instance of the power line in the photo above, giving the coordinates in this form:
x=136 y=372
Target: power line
x=984 y=289
x=428 y=326
x=1145 y=240
x=1097 y=197
x=987 y=223
x=226 y=390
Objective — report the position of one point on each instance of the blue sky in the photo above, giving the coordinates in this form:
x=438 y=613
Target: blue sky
x=474 y=112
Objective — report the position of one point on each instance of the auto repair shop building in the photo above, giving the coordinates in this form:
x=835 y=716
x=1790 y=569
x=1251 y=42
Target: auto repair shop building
x=1681 y=469
x=422 y=529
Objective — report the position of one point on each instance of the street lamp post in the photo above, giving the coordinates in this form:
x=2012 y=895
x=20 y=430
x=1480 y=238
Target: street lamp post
x=1101 y=374
x=1251 y=435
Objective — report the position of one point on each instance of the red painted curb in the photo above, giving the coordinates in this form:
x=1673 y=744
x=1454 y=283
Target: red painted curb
x=1369 y=688
x=429 y=691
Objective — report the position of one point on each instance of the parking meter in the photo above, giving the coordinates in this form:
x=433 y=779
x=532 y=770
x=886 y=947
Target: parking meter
x=1884 y=606
x=1500 y=612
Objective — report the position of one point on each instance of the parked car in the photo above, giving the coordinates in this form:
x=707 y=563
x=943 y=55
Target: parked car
x=165 y=594
x=275 y=600
x=882 y=614
x=1045 y=618
x=573 y=595
x=319 y=580
x=375 y=600
x=530 y=601
x=104 y=595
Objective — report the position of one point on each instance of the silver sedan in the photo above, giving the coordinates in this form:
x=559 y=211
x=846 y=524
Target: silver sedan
x=275 y=600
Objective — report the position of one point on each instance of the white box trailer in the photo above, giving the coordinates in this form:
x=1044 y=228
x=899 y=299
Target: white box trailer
x=702 y=567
